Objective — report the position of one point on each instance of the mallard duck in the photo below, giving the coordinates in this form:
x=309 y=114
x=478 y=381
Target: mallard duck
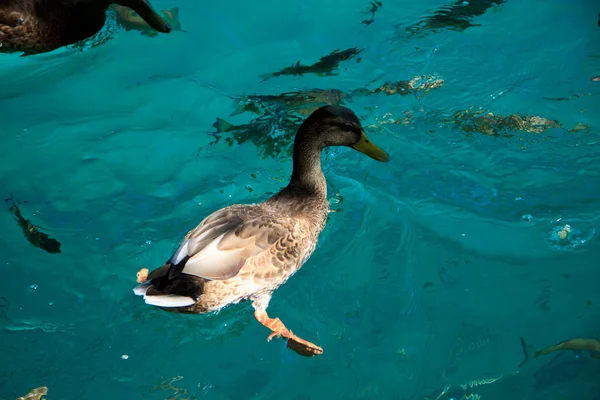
x=38 y=26
x=246 y=251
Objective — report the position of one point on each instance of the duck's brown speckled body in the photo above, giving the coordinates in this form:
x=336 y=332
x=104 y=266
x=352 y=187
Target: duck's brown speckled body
x=38 y=26
x=247 y=251
x=271 y=240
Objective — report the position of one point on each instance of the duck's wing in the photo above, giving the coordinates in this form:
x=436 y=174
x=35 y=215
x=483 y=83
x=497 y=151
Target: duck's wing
x=219 y=247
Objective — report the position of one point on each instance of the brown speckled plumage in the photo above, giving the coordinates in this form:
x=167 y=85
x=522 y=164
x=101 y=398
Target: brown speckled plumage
x=274 y=242
x=247 y=251
x=37 y=26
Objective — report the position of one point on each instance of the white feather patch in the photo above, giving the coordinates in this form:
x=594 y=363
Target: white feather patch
x=169 y=300
x=212 y=263
x=181 y=253
x=141 y=290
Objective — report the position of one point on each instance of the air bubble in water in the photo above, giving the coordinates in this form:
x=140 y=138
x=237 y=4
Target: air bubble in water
x=33 y=288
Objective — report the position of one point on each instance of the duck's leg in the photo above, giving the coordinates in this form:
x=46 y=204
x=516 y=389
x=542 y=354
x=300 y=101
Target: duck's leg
x=300 y=346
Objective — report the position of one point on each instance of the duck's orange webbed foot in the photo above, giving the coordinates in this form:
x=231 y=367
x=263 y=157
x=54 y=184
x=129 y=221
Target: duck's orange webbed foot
x=142 y=275
x=300 y=346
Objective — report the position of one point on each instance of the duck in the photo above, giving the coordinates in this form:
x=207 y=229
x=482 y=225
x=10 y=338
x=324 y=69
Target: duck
x=40 y=26
x=244 y=252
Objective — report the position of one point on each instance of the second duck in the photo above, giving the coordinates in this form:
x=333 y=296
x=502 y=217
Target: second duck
x=38 y=26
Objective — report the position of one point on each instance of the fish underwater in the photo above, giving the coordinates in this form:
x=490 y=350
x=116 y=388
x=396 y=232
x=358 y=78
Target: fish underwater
x=457 y=16
x=482 y=121
x=279 y=116
x=416 y=85
x=303 y=102
x=32 y=232
x=560 y=370
x=577 y=344
x=273 y=135
x=326 y=66
x=306 y=101
x=374 y=6
x=130 y=20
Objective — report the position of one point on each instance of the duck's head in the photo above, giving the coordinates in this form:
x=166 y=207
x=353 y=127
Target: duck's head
x=337 y=126
x=144 y=9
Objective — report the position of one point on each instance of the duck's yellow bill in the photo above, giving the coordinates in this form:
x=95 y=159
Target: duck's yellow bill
x=367 y=147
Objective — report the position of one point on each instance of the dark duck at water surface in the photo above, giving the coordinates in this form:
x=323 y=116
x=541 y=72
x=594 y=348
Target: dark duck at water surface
x=38 y=26
x=246 y=251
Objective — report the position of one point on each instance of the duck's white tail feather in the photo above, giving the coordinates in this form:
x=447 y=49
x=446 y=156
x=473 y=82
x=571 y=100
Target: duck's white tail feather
x=169 y=300
x=141 y=290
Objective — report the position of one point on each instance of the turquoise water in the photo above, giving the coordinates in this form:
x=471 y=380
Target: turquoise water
x=435 y=265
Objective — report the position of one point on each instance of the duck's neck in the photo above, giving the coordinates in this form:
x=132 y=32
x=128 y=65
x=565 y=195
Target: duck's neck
x=307 y=176
x=307 y=172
